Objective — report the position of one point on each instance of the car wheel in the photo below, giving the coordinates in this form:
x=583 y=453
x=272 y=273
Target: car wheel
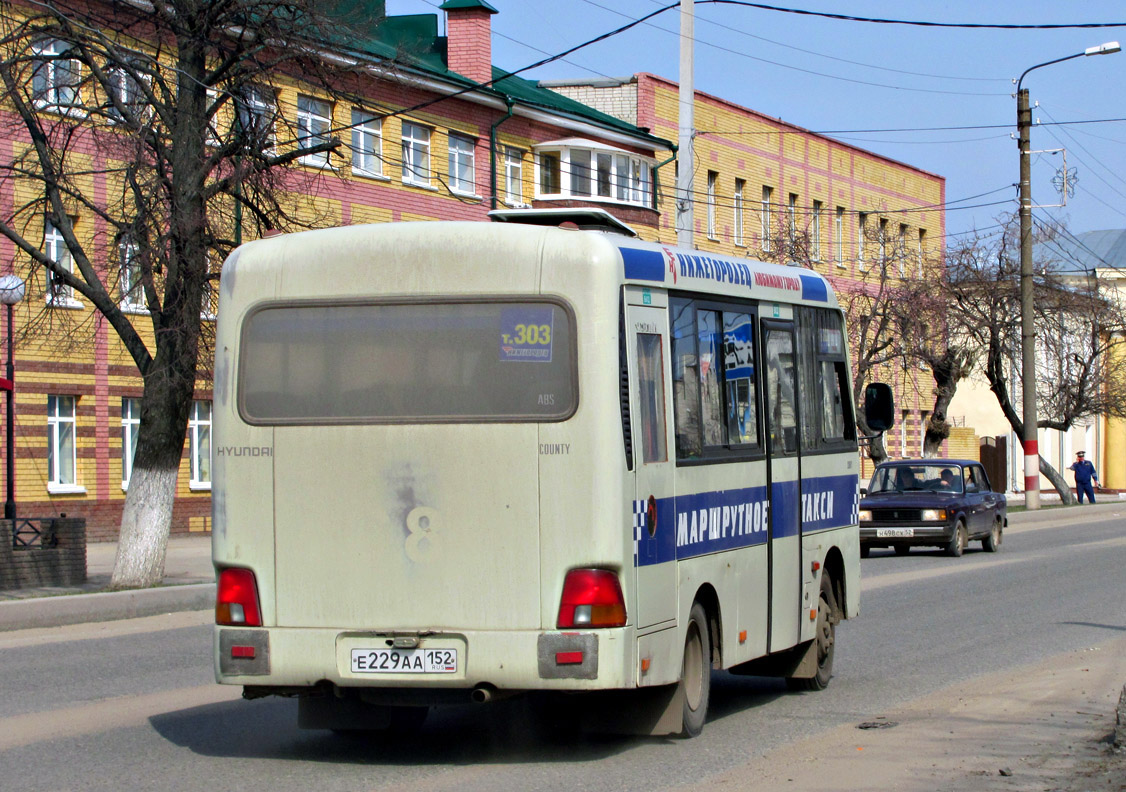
x=826 y=640
x=696 y=674
x=957 y=544
x=865 y=551
x=902 y=549
x=992 y=543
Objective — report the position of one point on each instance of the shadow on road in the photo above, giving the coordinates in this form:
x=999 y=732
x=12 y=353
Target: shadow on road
x=529 y=728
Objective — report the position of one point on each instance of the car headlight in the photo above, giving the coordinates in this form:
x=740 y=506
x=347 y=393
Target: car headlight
x=865 y=515
x=934 y=515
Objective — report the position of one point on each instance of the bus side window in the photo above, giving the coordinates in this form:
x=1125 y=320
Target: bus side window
x=711 y=362
x=651 y=392
x=685 y=379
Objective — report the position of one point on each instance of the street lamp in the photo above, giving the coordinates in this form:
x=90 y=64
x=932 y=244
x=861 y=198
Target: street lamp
x=11 y=292
x=1027 y=318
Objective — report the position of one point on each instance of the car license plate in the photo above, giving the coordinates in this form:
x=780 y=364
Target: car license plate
x=404 y=661
x=895 y=533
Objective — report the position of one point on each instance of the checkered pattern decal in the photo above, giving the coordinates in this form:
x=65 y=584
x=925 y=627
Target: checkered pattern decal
x=639 y=508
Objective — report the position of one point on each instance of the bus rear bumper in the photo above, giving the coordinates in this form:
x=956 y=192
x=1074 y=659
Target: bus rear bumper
x=296 y=658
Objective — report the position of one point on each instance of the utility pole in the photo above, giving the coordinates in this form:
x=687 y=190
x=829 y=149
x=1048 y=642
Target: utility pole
x=686 y=120
x=1027 y=312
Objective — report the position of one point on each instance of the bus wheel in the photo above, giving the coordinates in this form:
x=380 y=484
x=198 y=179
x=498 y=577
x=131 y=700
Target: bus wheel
x=957 y=542
x=826 y=641
x=696 y=674
x=992 y=543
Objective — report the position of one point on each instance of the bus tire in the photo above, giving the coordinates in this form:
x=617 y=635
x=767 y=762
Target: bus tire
x=825 y=640
x=992 y=543
x=696 y=673
x=957 y=544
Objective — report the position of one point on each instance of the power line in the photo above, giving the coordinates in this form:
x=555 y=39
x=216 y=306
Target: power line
x=963 y=128
x=916 y=23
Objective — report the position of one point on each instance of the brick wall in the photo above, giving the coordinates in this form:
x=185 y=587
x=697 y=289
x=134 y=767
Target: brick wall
x=962 y=443
x=60 y=561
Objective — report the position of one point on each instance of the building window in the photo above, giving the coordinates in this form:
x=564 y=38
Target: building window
x=62 y=453
x=255 y=117
x=126 y=91
x=861 y=232
x=592 y=173
x=901 y=246
x=367 y=144
x=922 y=251
x=314 y=119
x=883 y=240
x=815 y=231
x=767 y=194
x=199 y=444
x=461 y=165
x=54 y=248
x=792 y=223
x=514 y=177
x=550 y=180
x=713 y=177
x=416 y=154
x=54 y=78
x=838 y=236
x=130 y=426
x=740 y=186
x=130 y=285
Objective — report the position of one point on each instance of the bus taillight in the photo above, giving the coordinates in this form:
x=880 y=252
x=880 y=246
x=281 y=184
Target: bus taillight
x=237 y=599
x=592 y=598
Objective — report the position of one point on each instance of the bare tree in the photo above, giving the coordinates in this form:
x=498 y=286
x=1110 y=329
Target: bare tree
x=1079 y=334
x=153 y=132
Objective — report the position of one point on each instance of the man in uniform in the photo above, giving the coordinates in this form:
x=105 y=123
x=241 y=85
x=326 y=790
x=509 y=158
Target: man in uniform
x=1084 y=474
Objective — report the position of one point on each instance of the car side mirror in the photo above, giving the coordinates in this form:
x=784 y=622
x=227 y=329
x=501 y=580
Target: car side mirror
x=879 y=407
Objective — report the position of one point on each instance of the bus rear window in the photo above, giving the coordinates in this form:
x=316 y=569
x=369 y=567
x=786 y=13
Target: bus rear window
x=451 y=361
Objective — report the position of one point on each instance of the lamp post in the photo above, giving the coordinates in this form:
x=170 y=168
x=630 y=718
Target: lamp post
x=1027 y=316
x=11 y=292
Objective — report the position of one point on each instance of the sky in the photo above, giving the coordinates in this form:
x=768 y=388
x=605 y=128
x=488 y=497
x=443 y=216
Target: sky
x=844 y=78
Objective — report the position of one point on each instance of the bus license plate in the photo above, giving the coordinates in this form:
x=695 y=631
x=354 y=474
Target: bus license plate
x=895 y=533
x=404 y=661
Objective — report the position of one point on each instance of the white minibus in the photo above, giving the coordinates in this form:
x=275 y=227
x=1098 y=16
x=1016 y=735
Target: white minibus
x=456 y=461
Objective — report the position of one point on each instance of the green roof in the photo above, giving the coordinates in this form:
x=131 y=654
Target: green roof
x=451 y=5
x=412 y=41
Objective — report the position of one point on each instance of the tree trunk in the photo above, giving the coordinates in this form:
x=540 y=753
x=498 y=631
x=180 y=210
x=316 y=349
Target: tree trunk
x=1058 y=481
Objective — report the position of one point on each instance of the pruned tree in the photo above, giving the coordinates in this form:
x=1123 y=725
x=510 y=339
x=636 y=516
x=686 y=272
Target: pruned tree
x=1079 y=334
x=147 y=139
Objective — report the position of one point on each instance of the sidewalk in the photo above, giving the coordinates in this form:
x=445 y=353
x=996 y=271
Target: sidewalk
x=189 y=584
x=189 y=579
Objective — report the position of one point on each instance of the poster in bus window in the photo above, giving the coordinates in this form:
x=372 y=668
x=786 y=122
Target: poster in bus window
x=739 y=371
x=526 y=333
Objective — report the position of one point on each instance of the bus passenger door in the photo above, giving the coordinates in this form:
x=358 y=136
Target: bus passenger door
x=650 y=408
x=780 y=404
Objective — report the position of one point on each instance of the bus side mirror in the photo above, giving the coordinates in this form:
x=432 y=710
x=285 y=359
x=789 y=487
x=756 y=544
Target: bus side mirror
x=879 y=407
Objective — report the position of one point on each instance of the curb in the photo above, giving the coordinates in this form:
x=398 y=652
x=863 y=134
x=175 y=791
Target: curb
x=1120 y=721
x=104 y=606
x=1065 y=512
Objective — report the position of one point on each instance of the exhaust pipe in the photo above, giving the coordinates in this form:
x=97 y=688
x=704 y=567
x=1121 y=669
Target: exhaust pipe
x=482 y=694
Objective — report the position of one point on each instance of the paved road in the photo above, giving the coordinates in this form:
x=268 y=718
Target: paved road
x=131 y=704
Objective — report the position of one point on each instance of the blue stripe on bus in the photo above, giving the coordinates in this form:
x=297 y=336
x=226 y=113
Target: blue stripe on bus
x=643 y=264
x=813 y=289
x=709 y=522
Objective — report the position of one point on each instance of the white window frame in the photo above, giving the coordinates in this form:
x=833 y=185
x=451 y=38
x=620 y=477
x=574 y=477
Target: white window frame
x=740 y=210
x=199 y=426
x=128 y=92
x=883 y=240
x=62 y=412
x=815 y=231
x=129 y=284
x=462 y=164
x=367 y=145
x=130 y=427
x=416 y=154
x=59 y=294
x=258 y=106
x=597 y=174
x=314 y=122
x=861 y=231
x=713 y=179
x=514 y=177
x=792 y=221
x=55 y=91
x=921 y=253
x=838 y=235
x=901 y=247
x=764 y=229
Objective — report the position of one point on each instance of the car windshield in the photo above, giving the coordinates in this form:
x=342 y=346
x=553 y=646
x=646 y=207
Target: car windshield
x=922 y=478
